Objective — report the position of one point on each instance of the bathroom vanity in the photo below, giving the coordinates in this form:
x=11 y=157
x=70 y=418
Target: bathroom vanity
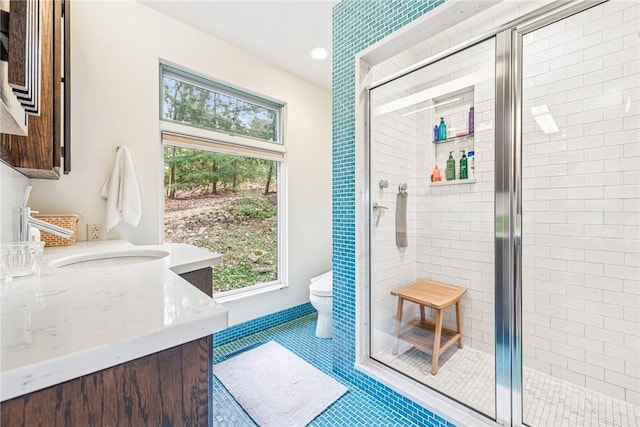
x=110 y=334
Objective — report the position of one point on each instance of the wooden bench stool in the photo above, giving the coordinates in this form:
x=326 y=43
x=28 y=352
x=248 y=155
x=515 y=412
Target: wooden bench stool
x=439 y=297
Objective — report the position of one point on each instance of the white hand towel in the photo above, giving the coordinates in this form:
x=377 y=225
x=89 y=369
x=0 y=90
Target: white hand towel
x=121 y=191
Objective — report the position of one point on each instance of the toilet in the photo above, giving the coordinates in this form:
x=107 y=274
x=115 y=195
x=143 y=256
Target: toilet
x=321 y=297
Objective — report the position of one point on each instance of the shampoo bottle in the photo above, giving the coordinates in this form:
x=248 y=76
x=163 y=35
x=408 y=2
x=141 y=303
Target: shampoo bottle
x=463 y=166
x=442 y=130
x=451 y=167
x=436 y=133
x=472 y=166
x=435 y=174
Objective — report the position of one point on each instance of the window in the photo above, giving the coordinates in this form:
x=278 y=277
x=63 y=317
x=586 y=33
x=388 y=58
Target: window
x=223 y=173
x=205 y=104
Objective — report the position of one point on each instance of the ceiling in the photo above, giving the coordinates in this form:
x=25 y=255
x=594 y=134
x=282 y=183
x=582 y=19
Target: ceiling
x=280 y=32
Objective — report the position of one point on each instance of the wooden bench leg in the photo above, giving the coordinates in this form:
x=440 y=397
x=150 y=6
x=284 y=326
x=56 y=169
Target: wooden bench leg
x=422 y=316
x=436 y=342
x=398 y=325
x=459 y=322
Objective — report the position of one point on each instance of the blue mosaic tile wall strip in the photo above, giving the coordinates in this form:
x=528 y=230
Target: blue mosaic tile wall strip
x=357 y=25
x=251 y=327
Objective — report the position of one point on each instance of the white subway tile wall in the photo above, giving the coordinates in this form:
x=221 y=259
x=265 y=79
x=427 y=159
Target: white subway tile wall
x=581 y=191
x=450 y=227
x=581 y=201
x=455 y=221
x=393 y=159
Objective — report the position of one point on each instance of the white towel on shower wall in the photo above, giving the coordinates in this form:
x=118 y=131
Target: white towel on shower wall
x=122 y=192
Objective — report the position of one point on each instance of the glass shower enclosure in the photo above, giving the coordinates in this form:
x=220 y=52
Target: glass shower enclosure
x=509 y=169
x=449 y=218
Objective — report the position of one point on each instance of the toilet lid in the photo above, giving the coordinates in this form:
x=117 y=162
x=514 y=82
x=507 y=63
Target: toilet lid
x=322 y=287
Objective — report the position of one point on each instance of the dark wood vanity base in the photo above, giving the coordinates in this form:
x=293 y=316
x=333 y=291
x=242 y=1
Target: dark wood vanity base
x=168 y=388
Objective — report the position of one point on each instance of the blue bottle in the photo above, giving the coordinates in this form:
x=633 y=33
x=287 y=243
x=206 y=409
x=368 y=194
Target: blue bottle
x=442 y=130
x=436 y=133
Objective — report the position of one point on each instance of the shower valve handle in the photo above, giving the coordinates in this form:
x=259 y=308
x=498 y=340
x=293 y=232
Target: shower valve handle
x=377 y=206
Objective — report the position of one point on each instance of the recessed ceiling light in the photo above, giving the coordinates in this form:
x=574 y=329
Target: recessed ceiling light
x=318 y=53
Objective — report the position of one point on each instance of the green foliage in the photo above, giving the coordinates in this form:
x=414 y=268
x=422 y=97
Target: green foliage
x=204 y=108
x=254 y=207
x=205 y=171
x=236 y=241
x=238 y=276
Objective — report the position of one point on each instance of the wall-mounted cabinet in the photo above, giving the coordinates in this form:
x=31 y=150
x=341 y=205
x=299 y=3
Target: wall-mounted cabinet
x=39 y=154
x=455 y=109
x=20 y=40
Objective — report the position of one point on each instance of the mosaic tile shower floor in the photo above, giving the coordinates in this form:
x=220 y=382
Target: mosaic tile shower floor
x=355 y=408
x=468 y=375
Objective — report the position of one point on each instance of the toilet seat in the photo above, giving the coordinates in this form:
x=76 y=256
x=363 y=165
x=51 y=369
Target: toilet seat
x=323 y=287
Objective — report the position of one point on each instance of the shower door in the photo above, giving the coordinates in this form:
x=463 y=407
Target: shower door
x=580 y=204
x=541 y=227
x=432 y=217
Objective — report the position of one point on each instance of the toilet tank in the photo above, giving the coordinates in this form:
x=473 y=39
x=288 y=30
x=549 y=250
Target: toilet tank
x=322 y=285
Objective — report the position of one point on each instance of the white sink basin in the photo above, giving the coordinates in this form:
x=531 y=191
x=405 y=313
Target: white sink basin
x=113 y=258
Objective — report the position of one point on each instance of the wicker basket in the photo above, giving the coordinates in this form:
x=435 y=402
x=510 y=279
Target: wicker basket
x=68 y=221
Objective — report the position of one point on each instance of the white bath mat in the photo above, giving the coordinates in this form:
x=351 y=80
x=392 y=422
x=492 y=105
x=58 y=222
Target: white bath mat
x=276 y=387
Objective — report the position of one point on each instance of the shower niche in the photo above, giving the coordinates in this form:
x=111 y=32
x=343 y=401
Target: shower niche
x=457 y=110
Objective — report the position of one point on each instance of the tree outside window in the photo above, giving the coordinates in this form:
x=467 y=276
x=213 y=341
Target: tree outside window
x=222 y=202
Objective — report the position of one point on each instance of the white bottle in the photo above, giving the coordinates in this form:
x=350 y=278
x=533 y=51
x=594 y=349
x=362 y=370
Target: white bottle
x=471 y=156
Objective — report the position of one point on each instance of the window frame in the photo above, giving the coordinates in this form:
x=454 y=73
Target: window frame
x=173 y=133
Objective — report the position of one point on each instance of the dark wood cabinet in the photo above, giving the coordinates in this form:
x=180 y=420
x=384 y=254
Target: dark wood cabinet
x=168 y=388
x=201 y=279
x=23 y=71
x=39 y=154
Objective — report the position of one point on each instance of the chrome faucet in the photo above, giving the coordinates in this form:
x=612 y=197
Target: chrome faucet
x=23 y=221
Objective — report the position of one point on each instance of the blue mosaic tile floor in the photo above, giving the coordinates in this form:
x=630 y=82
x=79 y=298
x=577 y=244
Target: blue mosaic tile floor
x=355 y=408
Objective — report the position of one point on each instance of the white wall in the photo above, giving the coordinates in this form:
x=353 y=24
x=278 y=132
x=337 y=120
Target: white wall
x=393 y=158
x=456 y=221
x=12 y=186
x=581 y=201
x=116 y=49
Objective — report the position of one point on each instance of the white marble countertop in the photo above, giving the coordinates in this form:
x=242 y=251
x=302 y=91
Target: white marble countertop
x=68 y=322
